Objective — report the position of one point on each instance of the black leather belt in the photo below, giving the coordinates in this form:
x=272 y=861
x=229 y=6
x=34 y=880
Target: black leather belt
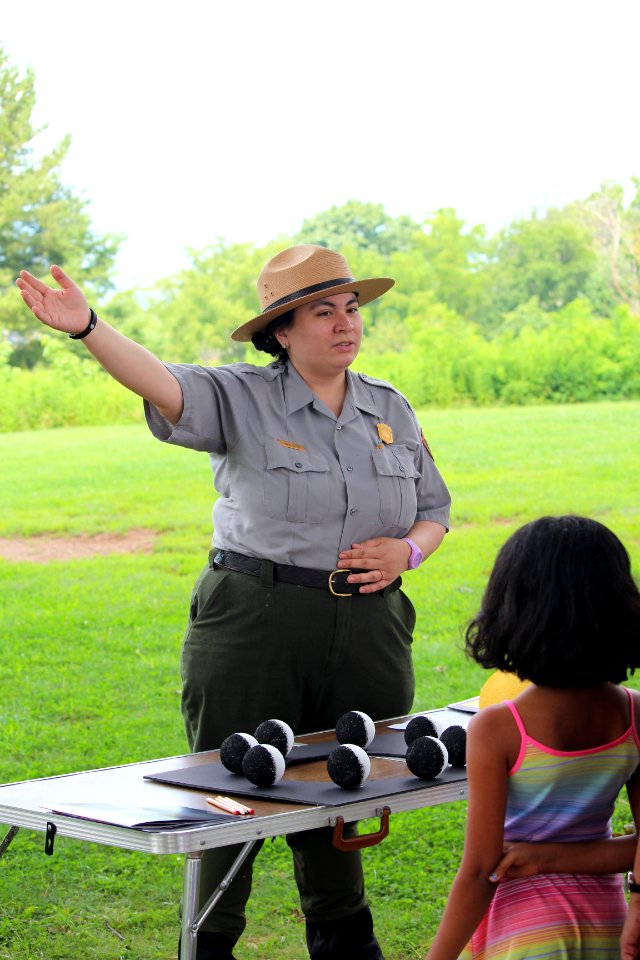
x=335 y=581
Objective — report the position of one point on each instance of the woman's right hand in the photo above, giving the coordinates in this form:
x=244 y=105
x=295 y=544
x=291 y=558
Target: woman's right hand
x=128 y=362
x=65 y=309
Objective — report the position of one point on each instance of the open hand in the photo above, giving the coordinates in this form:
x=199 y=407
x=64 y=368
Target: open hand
x=64 y=309
x=383 y=559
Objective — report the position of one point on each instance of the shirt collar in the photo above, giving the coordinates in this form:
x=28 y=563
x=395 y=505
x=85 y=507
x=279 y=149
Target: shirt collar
x=360 y=394
x=298 y=394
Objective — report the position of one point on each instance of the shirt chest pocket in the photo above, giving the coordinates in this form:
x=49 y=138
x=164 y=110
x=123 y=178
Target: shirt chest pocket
x=296 y=484
x=396 y=475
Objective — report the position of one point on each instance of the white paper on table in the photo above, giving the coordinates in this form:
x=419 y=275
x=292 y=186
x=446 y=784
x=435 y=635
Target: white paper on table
x=442 y=718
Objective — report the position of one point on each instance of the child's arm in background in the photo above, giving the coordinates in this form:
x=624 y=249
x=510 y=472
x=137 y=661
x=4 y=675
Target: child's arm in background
x=471 y=893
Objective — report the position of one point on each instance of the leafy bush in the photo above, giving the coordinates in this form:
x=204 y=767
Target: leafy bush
x=69 y=392
x=433 y=356
x=575 y=357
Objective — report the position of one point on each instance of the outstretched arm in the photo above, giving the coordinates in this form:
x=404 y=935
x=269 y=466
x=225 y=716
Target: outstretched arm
x=132 y=365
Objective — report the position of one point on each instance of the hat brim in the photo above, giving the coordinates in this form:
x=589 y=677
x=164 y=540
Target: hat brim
x=367 y=291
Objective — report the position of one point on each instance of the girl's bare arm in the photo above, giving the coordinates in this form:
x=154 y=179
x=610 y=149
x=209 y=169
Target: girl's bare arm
x=472 y=890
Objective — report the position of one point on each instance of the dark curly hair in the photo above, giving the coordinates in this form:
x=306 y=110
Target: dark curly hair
x=267 y=341
x=561 y=607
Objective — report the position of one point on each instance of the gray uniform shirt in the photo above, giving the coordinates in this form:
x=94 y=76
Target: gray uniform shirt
x=298 y=484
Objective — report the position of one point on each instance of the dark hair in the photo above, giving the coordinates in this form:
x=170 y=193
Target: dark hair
x=561 y=608
x=267 y=341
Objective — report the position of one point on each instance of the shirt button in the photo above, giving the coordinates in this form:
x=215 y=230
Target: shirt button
x=401 y=469
x=352 y=511
x=349 y=468
x=298 y=465
x=338 y=427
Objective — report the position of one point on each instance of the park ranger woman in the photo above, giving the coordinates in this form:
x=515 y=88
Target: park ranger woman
x=317 y=469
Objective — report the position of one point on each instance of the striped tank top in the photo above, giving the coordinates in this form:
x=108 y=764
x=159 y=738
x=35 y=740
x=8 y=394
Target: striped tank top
x=559 y=795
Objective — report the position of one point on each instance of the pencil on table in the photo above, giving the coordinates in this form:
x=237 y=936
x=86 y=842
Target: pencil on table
x=229 y=805
x=240 y=807
x=223 y=804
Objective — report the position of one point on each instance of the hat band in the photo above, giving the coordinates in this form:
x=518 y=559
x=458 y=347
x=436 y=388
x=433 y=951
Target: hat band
x=316 y=288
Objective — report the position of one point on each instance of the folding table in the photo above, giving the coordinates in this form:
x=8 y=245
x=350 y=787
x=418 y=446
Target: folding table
x=115 y=795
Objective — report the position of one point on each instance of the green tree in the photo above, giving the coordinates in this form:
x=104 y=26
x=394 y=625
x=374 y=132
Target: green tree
x=41 y=221
x=361 y=226
x=199 y=307
x=550 y=258
x=616 y=232
x=446 y=258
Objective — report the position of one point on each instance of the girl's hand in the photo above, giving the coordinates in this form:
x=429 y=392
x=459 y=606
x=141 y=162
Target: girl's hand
x=520 y=860
x=65 y=309
x=591 y=856
x=384 y=559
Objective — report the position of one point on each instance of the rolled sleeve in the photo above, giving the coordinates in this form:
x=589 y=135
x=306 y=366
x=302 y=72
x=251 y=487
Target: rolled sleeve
x=215 y=406
x=434 y=500
x=432 y=493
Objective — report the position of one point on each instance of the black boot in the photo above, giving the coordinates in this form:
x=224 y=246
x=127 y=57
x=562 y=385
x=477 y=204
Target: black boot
x=212 y=946
x=349 y=938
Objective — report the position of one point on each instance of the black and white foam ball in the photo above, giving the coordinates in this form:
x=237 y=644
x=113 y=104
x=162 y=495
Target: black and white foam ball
x=276 y=732
x=427 y=757
x=455 y=740
x=263 y=765
x=355 y=727
x=233 y=750
x=348 y=766
x=419 y=726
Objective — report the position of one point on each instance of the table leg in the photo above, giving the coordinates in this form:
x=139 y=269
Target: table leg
x=4 y=843
x=190 y=887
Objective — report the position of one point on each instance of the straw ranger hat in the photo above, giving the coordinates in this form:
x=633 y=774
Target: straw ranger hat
x=301 y=274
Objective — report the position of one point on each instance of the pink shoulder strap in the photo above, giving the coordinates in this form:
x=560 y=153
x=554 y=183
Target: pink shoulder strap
x=521 y=730
x=516 y=717
x=632 y=715
x=631 y=706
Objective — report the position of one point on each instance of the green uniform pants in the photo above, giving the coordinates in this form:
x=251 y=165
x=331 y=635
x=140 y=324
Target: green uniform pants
x=256 y=649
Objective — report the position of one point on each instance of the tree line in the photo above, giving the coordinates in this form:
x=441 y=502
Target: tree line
x=545 y=309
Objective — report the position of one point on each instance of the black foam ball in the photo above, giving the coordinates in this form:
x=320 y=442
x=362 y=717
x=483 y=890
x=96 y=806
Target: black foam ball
x=355 y=727
x=348 y=766
x=233 y=750
x=455 y=740
x=276 y=732
x=263 y=765
x=426 y=757
x=419 y=727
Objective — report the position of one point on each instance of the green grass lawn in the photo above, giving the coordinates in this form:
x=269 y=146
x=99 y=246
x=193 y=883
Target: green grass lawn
x=91 y=657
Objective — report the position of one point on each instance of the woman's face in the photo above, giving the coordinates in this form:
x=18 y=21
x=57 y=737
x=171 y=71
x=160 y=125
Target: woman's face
x=325 y=335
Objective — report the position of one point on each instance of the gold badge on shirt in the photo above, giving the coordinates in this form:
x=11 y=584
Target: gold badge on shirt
x=385 y=432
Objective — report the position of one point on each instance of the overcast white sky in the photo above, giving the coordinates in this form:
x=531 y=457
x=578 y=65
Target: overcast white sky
x=194 y=120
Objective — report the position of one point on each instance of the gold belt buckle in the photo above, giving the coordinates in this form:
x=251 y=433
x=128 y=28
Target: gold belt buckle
x=331 y=576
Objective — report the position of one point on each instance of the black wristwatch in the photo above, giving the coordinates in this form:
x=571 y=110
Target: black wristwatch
x=632 y=886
